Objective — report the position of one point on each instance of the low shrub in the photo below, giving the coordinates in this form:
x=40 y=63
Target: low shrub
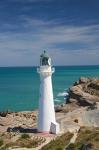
x=70 y=147
x=1 y=142
x=59 y=143
x=25 y=136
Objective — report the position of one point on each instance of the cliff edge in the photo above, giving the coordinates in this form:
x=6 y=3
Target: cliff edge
x=84 y=92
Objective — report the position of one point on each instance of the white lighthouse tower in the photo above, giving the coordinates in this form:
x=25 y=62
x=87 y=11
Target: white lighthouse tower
x=46 y=117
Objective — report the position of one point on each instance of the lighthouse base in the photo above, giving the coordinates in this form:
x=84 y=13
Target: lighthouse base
x=54 y=128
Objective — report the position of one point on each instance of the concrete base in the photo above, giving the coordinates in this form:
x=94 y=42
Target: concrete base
x=54 y=128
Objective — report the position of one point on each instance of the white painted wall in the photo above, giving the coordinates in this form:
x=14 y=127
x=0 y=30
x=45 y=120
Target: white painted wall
x=46 y=103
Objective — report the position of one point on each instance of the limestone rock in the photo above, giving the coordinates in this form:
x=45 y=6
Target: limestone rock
x=84 y=92
x=25 y=119
x=82 y=80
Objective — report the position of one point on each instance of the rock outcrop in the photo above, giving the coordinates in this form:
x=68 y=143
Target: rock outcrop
x=84 y=92
x=14 y=120
x=81 y=110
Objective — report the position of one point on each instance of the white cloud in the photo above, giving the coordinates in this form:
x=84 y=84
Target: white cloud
x=24 y=48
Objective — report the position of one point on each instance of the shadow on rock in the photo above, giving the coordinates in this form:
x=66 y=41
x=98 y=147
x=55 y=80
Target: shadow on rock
x=21 y=130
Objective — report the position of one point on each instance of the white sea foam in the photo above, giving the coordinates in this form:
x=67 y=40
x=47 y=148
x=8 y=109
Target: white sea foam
x=57 y=100
x=62 y=94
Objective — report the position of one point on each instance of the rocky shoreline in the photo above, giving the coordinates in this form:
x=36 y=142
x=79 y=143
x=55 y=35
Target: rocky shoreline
x=25 y=119
x=83 y=93
x=81 y=109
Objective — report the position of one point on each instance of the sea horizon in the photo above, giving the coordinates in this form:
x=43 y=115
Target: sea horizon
x=19 y=86
x=52 y=66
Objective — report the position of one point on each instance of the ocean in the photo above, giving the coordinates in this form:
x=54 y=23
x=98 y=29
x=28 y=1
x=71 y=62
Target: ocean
x=19 y=86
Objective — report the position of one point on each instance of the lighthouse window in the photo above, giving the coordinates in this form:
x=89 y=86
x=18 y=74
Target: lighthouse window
x=45 y=61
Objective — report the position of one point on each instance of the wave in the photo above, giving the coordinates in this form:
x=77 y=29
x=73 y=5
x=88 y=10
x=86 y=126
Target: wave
x=57 y=100
x=62 y=94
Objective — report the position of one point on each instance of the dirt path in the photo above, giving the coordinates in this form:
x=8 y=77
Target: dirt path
x=72 y=140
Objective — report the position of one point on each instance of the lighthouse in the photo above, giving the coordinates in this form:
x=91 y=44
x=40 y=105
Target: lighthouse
x=46 y=116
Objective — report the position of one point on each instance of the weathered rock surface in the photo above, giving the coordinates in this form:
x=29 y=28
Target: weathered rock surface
x=84 y=92
x=4 y=113
x=13 y=120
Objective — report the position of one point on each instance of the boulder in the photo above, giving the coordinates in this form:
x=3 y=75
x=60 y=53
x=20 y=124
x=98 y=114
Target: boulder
x=3 y=114
x=82 y=80
x=84 y=92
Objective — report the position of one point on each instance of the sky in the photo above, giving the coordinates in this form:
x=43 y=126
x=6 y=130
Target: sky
x=67 y=29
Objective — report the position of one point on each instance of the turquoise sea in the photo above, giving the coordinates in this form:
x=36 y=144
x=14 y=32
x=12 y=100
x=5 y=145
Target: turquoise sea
x=19 y=86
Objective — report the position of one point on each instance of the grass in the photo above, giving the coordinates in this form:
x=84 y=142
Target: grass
x=1 y=142
x=86 y=138
x=5 y=147
x=59 y=143
x=24 y=141
x=25 y=136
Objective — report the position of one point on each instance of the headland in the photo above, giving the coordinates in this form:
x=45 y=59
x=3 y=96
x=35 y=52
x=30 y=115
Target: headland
x=18 y=130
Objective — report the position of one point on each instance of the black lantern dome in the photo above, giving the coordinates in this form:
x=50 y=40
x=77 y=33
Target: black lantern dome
x=45 y=60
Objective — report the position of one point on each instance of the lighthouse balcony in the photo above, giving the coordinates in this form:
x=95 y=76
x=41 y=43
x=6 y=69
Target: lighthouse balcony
x=45 y=70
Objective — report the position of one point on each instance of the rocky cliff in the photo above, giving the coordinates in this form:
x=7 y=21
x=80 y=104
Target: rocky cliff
x=81 y=110
x=84 y=92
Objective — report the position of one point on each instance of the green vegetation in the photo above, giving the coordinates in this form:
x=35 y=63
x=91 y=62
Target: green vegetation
x=59 y=143
x=87 y=138
x=6 y=146
x=28 y=143
x=25 y=136
x=25 y=141
x=1 y=142
x=71 y=147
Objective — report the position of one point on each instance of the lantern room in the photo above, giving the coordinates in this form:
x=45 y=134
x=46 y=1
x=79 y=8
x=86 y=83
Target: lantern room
x=45 y=60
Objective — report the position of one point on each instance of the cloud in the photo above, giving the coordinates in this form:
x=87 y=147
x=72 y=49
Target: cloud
x=69 y=44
